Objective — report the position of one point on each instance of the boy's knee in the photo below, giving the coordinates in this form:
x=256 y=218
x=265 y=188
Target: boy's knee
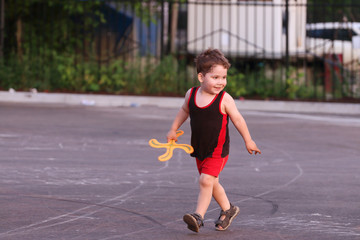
x=206 y=180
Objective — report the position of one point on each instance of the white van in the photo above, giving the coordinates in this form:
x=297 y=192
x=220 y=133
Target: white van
x=246 y=29
x=338 y=38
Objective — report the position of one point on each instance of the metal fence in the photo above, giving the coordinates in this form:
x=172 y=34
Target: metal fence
x=290 y=49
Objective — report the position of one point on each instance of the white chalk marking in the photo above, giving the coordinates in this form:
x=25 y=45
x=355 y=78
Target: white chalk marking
x=246 y=199
x=337 y=120
x=8 y=136
x=320 y=215
x=301 y=222
x=166 y=165
x=39 y=149
x=34 y=226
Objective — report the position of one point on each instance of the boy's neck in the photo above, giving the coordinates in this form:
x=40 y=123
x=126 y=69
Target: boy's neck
x=204 y=93
x=204 y=98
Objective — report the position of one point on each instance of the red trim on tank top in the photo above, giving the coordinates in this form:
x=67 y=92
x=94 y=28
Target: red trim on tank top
x=222 y=135
x=222 y=97
x=191 y=92
x=221 y=140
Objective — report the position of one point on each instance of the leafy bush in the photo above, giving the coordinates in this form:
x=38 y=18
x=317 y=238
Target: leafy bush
x=56 y=72
x=236 y=85
x=63 y=73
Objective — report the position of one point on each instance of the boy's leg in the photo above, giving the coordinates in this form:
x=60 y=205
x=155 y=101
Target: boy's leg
x=206 y=183
x=195 y=220
x=223 y=201
x=220 y=196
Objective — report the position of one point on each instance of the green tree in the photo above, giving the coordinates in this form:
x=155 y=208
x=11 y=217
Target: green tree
x=36 y=25
x=333 y=10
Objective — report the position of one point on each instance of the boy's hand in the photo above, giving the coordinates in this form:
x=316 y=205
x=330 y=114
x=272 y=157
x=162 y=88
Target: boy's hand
x=171 y=136
x=251 y=147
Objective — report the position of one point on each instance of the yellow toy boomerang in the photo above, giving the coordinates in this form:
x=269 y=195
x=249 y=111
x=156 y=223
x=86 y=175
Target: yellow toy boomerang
x=170 y=146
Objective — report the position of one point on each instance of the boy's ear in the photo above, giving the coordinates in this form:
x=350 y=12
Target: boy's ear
x=200 y=77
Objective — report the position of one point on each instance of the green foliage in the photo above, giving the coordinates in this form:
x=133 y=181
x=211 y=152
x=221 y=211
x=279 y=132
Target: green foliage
x=291 y=87
x=64 y=74
x=254 y=83
x=57 y=53
x=250 y=83
x=164 y=76
x=236 y=85
x=64 y=22
x=144 y=76
x=332 y=11
x=259 y=85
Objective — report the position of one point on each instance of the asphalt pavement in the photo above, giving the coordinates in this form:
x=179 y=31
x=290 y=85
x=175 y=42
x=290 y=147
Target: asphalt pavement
x=85 y=172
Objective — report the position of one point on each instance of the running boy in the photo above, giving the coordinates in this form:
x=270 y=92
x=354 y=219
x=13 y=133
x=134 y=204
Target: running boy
x=209 y=108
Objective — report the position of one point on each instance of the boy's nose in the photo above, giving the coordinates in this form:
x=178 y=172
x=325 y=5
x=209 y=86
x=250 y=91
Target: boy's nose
x=221 y=81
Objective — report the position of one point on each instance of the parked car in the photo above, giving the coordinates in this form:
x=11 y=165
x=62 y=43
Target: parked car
x=341 y=39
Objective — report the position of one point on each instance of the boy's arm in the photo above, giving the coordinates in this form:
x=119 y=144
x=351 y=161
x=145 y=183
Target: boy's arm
x=230 y=108
x=180 y=118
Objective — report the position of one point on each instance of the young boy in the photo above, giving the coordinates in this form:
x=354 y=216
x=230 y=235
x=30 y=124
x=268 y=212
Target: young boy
x=209 y=108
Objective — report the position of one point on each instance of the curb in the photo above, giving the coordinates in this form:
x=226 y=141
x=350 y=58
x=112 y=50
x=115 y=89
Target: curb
x=174 y=102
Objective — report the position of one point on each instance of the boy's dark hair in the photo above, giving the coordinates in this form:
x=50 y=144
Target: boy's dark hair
x=208 y=58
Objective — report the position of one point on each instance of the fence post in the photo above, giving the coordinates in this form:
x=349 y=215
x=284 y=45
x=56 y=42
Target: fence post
x=162 y=31
x=2 y=26
x=287 y=38
x=174 y=23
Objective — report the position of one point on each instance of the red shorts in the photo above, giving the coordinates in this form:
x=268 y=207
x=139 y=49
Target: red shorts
x=211 y=166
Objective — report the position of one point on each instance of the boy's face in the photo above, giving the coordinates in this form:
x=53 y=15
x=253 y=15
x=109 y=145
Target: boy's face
x=214 y=81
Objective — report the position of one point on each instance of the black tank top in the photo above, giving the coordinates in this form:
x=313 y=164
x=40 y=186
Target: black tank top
x=209 y=128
